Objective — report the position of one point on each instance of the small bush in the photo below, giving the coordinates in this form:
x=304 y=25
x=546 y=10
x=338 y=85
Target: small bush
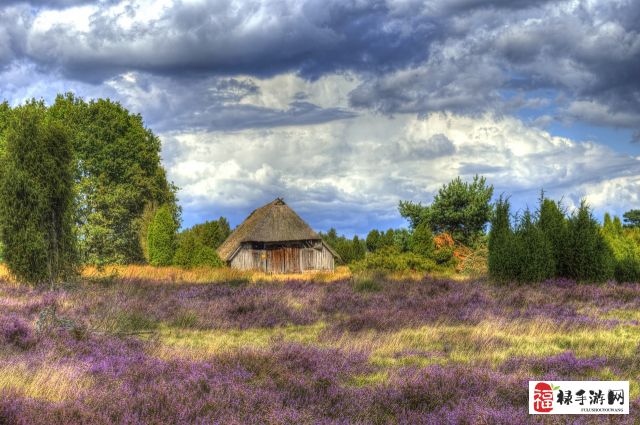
x=476 y=263
x=625 y=249
x=368 y=282
x=187 y=319
x=194 y=251
x=132 y=322
x=14 y=331
x=391 y=259
x=627 y=269
x=421 y=241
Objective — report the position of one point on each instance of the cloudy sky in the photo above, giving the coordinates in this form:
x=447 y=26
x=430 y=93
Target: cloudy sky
x=344 y=107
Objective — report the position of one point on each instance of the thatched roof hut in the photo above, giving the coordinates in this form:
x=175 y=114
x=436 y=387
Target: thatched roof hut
x=275 y=239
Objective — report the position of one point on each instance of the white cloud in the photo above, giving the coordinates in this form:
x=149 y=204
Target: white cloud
x=350 y=174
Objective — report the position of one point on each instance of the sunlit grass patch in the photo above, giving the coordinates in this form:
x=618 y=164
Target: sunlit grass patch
x=172 y=342
x=46 y=382
x=622 y=314
x=109 y=274
x=364 y=380
x=125 y=322
x=490 y=343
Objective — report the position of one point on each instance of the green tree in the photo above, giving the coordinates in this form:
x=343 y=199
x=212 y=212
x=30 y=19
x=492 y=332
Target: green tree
x=589 y=257
x=148 y=213
x=374 y=240
x=331 y=237
x=212 y=233
x=625 y=249
x=415 y=213
x=421 y=242
x=632 y=218
x=349 y=250
x=460 y=208
x=402 y=239
x=162 y=236
x=359 y=248
x=553 y=223
x=197 y=245
x=36 y=196
x=117 y=173
x=501 y=242
x=532 y=252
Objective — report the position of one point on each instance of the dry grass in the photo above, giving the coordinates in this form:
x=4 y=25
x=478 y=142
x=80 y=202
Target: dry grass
x=208 y=274
x=226 y=274
x=197 y=275
x=45 y=382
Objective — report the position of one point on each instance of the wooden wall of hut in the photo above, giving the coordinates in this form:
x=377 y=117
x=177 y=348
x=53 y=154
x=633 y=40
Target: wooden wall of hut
x=283 y=259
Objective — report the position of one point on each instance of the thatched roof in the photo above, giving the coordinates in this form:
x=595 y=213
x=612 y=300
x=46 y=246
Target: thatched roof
x=274 y=222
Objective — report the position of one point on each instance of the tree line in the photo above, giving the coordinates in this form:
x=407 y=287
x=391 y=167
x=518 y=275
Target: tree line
x=82 y=183
x=75 y=180
x=550 y=243
x=460 y=211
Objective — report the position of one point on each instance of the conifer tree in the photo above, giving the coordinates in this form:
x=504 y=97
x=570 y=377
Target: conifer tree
x=500 y=244
x=161 y=238
x=36 y=197
x=589 y=257
x=553 y=224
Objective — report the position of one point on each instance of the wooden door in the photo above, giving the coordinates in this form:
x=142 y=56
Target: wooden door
x=276 y=260
x=284 y=260
x=292 y=262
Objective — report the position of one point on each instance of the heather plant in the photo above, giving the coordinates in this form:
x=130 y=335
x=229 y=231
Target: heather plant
x=392 y=351
x=368 y=282
x=14 y=331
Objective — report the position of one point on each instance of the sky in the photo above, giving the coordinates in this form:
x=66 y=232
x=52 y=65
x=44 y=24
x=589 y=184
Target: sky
x=345 y=107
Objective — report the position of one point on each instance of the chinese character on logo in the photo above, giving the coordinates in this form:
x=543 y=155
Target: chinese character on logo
x=580 y=397
x=596 y=397
x=543 y=397
x=615 y=395
x=565 y=397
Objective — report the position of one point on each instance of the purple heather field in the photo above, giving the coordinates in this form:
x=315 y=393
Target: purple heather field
x=357 y=351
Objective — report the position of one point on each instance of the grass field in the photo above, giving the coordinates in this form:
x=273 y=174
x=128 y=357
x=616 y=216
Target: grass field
x=162 y=346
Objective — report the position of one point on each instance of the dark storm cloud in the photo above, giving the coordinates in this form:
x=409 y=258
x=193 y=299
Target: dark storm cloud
x=13 y=34
x=588 y=54
x=261 y=39
x=411 y=56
